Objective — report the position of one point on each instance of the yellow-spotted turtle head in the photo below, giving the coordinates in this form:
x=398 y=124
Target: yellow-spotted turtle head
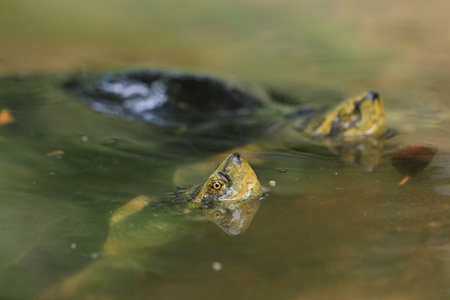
x=357 y=117
x=231 y=196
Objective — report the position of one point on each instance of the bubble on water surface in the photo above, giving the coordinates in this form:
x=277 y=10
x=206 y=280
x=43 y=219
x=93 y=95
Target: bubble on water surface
x=217 y=266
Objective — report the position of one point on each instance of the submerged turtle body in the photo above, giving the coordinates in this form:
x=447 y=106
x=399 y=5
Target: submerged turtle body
x=229 y=111
x=229 y=197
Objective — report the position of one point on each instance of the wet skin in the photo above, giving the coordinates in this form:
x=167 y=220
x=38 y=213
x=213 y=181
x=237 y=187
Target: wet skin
x=230 y=197
x=355 y=130
x=360 y=116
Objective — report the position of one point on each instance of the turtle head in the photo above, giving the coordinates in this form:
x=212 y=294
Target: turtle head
x=231 y=195
x=359 y=116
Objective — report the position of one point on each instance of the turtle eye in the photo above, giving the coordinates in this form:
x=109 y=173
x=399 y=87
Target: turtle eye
x=217 y=185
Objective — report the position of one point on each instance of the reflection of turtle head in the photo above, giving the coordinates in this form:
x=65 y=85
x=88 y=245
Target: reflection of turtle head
x=231 y=196
x=360 y=116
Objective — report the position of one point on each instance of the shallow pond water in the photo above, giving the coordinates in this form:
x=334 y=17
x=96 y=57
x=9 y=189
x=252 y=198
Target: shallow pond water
x=329 y=230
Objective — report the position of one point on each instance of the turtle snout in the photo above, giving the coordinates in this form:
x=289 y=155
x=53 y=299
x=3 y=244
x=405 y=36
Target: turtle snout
x=235 y=157
x=374 y=96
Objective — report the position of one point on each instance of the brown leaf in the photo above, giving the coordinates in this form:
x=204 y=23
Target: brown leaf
x=411 y=160
x=5 y=117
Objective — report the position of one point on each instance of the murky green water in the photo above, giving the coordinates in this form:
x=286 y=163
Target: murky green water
x=328 y=231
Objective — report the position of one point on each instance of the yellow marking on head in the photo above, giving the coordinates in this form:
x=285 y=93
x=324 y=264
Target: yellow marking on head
x=230 y=197
x=362 y=115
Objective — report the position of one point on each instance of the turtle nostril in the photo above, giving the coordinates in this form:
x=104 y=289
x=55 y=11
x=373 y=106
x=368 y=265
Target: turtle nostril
x=237 y=157
x=373 y=96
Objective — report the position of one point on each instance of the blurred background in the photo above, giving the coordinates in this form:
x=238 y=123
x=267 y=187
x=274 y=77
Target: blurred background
x=399 y=48
x=283 y=41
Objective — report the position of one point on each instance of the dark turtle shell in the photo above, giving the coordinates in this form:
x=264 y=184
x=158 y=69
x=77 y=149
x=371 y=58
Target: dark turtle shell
x=166 y=98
